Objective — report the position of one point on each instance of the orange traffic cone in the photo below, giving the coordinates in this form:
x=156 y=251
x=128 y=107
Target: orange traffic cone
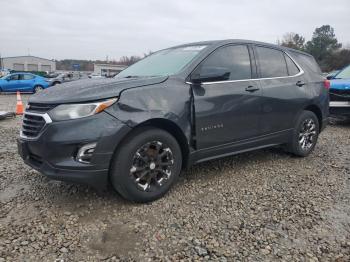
x=19 y=105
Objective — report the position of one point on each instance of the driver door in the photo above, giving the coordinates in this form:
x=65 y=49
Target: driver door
x=13 y=83
x=227 y=111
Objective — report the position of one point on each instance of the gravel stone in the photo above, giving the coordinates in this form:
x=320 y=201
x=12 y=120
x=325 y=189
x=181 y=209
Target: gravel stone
x=201 y=251
x=64 y=250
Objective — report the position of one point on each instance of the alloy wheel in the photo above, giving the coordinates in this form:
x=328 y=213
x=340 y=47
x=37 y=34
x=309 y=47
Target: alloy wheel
x=38 y=89
x=151 y=166
x=307 y=134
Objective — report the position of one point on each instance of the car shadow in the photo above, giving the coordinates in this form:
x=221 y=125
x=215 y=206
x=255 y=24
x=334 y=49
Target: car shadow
x=339 y=122
x=83 y=195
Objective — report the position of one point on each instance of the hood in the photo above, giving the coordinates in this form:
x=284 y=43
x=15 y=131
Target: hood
x=91 y=89
x=342 y=84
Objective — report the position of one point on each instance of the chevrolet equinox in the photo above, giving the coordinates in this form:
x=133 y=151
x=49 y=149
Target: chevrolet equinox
x=177 y=107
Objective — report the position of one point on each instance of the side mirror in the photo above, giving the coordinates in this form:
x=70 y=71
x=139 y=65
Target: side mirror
x=330 y=77
x=210 y=74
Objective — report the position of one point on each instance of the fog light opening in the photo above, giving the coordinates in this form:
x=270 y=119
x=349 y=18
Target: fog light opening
x=85 y=153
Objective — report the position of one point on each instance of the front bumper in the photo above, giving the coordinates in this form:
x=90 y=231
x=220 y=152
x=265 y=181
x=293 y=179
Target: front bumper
x=53 y=152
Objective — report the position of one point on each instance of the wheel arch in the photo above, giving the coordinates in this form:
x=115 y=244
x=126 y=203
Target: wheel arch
x=169 y=126
x=173 y=129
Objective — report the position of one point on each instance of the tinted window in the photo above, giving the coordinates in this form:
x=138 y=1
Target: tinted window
x=27 y=77
x=272 y=63
x=14 y=77
x=345 y=73
x=308 y=61
x=232 y=59
x=292 y=68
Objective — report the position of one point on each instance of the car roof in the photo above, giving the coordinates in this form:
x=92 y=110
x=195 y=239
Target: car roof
x=239 y=41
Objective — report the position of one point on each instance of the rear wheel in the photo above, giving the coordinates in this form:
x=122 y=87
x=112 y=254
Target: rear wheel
x=38 y=88
x=305 y=134
x=146 y=165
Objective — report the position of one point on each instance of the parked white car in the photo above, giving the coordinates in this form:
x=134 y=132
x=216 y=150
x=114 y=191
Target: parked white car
x=95 y=76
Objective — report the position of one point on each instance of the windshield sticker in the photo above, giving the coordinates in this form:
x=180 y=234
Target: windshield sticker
x=194 y=48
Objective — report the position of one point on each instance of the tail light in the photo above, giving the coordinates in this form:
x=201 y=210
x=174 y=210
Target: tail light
x=327 y=83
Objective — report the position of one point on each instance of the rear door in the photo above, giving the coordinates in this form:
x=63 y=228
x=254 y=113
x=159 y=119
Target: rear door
x=227 y=111
x=280 y=79
x=27 y=82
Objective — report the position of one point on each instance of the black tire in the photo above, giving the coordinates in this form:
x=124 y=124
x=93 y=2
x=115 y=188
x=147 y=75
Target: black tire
x=56 y=83
x=37 y=88
x=304 y=140
x=128 y=158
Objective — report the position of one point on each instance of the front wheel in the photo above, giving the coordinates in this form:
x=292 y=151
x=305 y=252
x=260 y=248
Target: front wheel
x=146 y=165
x=38 y=89
x=305 y=134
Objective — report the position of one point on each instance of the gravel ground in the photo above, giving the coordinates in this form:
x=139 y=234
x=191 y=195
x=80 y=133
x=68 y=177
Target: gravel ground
x=258 y=206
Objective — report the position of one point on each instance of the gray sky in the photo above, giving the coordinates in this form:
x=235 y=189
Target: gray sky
x=93 y=29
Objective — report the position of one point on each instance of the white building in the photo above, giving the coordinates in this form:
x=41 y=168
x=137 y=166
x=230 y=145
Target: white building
x=108 y=69
x=28 y=63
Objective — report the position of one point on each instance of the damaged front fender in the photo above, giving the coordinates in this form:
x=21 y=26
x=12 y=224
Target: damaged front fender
x=170 y=100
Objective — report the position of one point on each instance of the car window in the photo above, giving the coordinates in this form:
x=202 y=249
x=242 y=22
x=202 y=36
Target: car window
x=163 y=63
x=27 y=77
x=272 y=62
x=234 y=59
x=292 y=68
x=345 y=73
x=307 y=61
x=14 y=77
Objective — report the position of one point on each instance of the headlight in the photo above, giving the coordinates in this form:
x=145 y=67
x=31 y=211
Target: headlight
x=74 y=111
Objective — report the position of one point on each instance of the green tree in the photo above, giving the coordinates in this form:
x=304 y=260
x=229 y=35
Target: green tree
x=323 y=45
x=338 y=59
x=293 y=40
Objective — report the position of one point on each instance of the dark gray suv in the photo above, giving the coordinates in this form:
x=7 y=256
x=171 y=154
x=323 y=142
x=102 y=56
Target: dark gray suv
x=175 y=108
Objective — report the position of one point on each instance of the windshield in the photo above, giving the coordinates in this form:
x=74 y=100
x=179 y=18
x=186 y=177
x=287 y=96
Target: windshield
x=345 y=73
x=163 y=63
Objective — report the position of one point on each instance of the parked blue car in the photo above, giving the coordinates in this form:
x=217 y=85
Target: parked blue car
x=339 y=93
x=23 y=82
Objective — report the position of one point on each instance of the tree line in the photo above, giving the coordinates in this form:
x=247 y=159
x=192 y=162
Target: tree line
x=324 y=46
x=88 y=65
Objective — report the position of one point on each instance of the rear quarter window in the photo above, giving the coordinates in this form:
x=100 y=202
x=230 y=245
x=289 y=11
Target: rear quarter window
x=307 y=61
x=292 y=68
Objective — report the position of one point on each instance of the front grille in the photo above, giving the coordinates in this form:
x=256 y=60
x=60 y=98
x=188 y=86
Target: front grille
x=32 y=125
x=39 y=108
x=339 y=95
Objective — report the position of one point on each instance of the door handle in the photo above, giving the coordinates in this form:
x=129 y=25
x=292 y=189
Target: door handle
x=300 y=83
x=251 y=89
